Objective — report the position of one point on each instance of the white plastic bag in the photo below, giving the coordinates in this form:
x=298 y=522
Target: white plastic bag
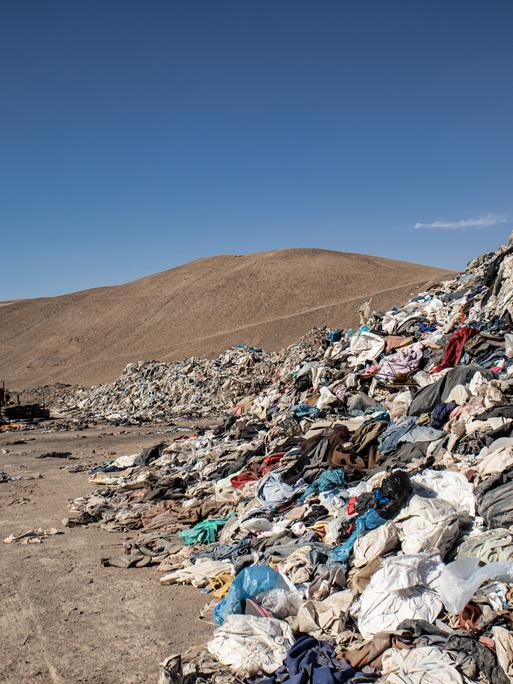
x=461 y=579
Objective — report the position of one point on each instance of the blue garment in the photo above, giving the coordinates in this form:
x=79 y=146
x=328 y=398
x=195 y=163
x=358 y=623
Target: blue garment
x=422 y=433
x=388 y=441
x=427 y=327
x=327 y=480
x=471 y=295
x=382 y=500
x=305 y=411
x=379 y=415
x=368 y=521
x=310 y=661
x=440 y=414
x=334 y=335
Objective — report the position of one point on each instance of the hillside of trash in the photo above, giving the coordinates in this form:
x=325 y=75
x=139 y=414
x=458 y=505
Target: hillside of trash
x=351 y=514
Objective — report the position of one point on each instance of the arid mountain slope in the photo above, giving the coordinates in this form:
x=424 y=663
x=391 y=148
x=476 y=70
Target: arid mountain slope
x=266 y=299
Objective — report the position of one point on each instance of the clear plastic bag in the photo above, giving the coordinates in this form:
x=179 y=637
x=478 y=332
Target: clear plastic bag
x=461 y=579
x=281 y=602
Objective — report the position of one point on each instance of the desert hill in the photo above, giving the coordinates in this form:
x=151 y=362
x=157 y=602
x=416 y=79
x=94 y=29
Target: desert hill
x=267 y=299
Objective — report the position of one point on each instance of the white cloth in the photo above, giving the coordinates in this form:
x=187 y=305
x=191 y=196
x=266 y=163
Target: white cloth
x=459 y=395
x=365 y=346
x=508 y=339
x=250 y=645
x=487 y=425
x=326 y=399
x=495 y=458
x=403 y=589
x=375 y=544
x=428 y=525
x=447 y=485
x=199 y=573
x=421 y=665
x=398 y=405
x=128 y=461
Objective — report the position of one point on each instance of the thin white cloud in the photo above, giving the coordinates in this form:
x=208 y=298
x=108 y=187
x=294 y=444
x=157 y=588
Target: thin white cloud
x=485 y=221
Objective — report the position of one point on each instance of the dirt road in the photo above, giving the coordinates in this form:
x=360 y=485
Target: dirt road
x=64 y=617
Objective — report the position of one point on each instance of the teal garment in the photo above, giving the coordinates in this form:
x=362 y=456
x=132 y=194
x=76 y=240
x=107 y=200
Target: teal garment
x=204 y=532
x=329 y=479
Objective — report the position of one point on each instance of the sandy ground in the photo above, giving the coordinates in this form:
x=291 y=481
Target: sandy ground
x=64 y=617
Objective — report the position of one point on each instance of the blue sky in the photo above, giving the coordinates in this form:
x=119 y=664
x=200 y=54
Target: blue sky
x=137 y=136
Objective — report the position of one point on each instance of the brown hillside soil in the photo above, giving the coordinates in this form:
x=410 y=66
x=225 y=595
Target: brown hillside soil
x=268 y=299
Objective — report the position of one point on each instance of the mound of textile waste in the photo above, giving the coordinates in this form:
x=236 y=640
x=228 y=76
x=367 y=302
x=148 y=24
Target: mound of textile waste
x=353 y=520
x=157 y=391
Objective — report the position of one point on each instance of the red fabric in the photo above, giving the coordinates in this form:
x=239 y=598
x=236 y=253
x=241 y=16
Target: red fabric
x=470 y=617
x=272 y=461
x=454 y=349
x=372 y=370
x=351 y=505
x=238 y=481
x=256 y=470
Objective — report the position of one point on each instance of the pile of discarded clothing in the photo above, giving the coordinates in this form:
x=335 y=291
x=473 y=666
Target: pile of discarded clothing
x=353 y=520
x=155 y=391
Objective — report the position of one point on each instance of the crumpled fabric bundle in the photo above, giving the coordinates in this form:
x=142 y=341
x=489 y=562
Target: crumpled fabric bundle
x=494 y=498
x=402 y=362
x=495 y=458
x=365 y=346
x=503 y=640
x=447 y=485
x=250 y=645
x=299 y=566
x=323 y=618
x=423 y=665
x=198 y=574
x=432 y=394
x=375 y=544
x=272 y=490
x=329 y=479
x=390 y=438
x=488 y=547
x=204 y=532
x=311 y=660
x=454 y=348
x=474 y=659
x=429 y=526
x=399 y=404
x=442 y=412
x=368 y=521
x=404 y=588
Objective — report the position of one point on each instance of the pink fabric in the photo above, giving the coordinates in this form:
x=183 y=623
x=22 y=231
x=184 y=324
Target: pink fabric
x=402 y=362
